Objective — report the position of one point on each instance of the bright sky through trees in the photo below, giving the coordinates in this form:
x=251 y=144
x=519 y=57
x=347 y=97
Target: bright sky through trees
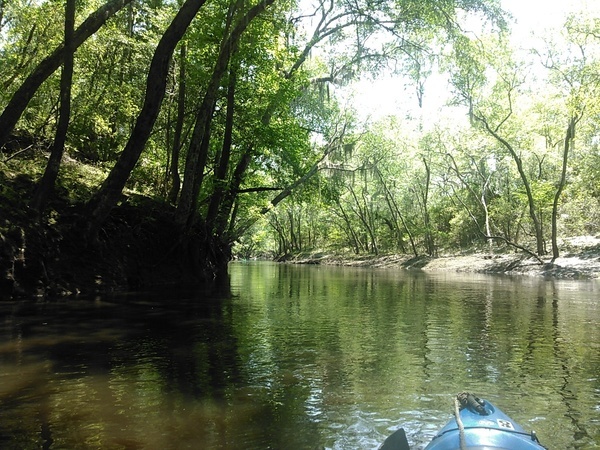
x=532 y=19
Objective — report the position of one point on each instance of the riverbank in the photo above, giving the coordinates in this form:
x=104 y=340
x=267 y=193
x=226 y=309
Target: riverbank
x=580 y=259
x=48 y=254
x=137 y=249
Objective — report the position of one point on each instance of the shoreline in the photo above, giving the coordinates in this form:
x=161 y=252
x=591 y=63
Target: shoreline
x=581 y=262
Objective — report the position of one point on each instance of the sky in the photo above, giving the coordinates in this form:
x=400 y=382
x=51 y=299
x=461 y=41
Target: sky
x=388 y=95
x=537 y=15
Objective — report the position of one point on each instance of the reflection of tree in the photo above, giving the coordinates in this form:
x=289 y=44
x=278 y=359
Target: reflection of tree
x=423 y=325
x=549 y=359
x=564 y=365
x=198 y=357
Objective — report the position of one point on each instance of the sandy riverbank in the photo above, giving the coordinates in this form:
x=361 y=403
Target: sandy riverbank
x=580 y=259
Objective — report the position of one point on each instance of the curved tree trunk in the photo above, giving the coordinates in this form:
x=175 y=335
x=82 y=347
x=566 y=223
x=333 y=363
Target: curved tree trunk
x=539 y=235
x=108 y=195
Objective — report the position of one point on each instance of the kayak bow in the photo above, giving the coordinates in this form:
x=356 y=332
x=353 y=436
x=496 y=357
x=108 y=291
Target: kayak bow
x=477 y=425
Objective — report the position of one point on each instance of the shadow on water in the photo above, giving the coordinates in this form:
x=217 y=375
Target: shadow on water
x=154 y=370
x=298 y=357
x=72 y=368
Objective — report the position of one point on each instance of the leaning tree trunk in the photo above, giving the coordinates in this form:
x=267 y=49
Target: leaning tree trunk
x=21 y=98
x=108 y=195
x=46 y=184
x=177 y=139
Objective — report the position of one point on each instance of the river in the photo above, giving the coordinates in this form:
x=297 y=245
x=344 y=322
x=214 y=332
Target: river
x=300 y=357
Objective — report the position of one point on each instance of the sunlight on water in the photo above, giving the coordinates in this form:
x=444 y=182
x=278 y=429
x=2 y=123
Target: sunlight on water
x=300 y=357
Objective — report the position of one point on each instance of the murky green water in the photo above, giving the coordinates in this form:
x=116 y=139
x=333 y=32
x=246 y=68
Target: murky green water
x=302 y=357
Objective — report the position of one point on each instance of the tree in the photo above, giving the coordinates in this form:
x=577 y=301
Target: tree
x=198 y=149
x=110 y=191
x=173 y=170
x=20 y=99
x=46 y=184
x=258 y=107
x=332 y=24
x=495 y=111
x=568 y=143
x=574 y=73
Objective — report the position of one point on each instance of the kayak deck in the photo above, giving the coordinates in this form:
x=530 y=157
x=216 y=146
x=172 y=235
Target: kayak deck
x=484 y=426
x=476 y=425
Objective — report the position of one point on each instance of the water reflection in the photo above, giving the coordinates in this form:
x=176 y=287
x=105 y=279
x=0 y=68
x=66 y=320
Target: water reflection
x=299 y=357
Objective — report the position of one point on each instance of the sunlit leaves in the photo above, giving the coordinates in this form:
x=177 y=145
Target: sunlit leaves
x=29 y=30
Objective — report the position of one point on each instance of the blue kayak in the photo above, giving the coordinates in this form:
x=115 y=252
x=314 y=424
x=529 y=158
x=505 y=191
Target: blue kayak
x=479 y=425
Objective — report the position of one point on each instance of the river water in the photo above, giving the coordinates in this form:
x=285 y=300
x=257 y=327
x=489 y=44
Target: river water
x=300 y=357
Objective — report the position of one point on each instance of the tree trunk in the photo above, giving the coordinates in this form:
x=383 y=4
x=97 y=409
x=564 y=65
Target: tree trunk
x=481 y=197
x=486 y=211
x=174 y=168
x=569 y=137
x=193 y=166
x=429 y=242
x=46 y=184
x=395 y=211
x=354 y=240
x=108 y=195
x=282 y=241
x=363 y=215
x=21 y=98
x=198 y=177
x=223 y=220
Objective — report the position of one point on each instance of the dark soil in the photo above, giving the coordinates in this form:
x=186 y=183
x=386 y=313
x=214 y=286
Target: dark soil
x=50 y=257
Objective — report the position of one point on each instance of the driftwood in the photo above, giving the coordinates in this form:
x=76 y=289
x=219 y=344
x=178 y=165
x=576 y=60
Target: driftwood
x=517 y=246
